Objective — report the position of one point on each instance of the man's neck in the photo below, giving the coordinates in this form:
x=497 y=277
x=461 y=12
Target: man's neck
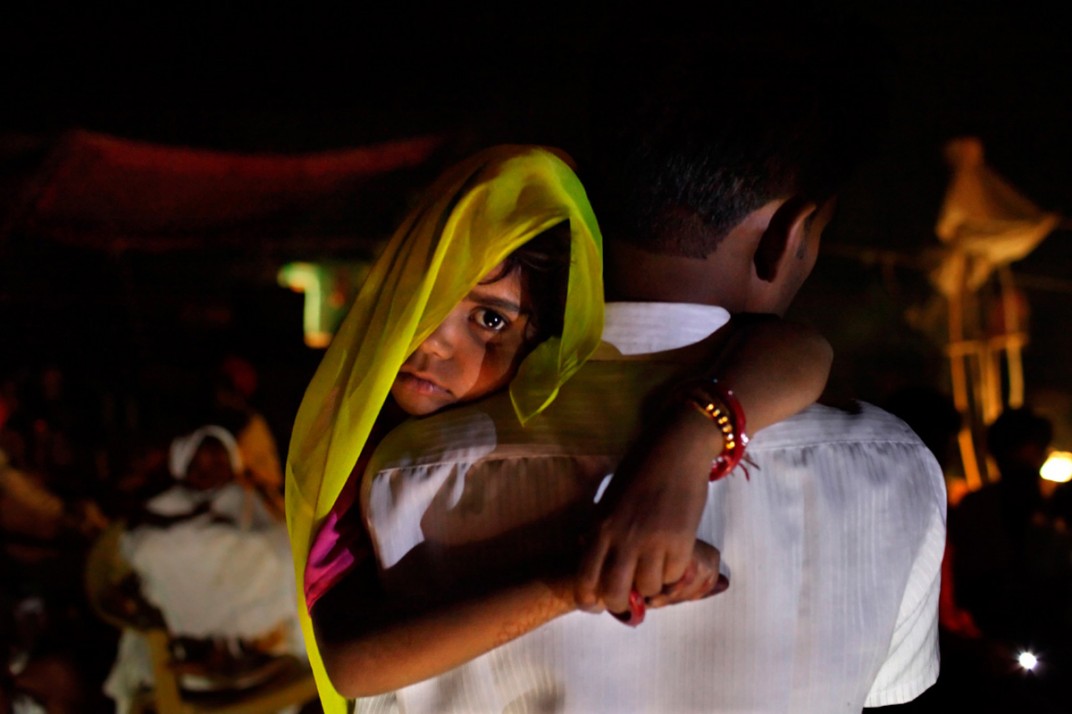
x=726 y=277
x=636 y=275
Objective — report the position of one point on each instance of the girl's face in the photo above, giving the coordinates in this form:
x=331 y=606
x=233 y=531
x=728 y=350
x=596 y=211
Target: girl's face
x=473 y=352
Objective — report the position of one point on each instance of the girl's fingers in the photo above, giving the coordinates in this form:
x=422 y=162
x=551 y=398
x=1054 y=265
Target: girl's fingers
x=649 y=575
x=617 y=582
x=591 y=569
x=691 y=587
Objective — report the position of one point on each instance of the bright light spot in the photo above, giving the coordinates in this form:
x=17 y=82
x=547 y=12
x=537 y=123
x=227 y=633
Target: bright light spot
x=318 y=339
x=1058 y=467
x=1027 y=660
x=306 y=278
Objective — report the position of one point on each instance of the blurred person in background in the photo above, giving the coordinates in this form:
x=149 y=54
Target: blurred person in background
x=233 y=396
x=48 y=641
x=214 y=560
x=1011 y=566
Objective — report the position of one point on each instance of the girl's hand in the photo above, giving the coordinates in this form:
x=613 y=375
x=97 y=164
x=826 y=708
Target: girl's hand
x=644 y=536
x=701 y=579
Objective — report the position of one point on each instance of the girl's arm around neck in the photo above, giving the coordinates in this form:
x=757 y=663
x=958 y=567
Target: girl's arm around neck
x=377 y=635
x=776 y=368
x=644 y=538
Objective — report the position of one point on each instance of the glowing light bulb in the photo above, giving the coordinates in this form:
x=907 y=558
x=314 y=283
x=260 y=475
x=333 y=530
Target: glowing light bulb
x=1058 y=467
x=1027 y=660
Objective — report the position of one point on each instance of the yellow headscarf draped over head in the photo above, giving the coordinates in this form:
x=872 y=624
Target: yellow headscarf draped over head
x=471 y=219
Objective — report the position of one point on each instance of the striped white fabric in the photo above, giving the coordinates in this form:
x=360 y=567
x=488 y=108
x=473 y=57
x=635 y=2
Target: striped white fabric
x=833 y=548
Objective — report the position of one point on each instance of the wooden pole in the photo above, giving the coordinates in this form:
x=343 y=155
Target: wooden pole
x=1013 y=347
x=959 y=377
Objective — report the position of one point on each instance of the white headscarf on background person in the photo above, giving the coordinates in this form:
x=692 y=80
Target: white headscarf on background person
x=229 y=500
x=183 y=449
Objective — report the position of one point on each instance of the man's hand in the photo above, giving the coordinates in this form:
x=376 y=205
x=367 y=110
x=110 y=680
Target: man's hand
x=645 y=537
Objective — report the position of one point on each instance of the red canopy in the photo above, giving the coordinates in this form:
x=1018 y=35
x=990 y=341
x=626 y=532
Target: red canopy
x=114 y=194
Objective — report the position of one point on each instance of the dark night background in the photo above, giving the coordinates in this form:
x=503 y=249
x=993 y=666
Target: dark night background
x=135 y=332
x=286 y=80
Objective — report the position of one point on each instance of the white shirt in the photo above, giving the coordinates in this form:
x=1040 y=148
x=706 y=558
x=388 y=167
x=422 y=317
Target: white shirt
x=833 y=548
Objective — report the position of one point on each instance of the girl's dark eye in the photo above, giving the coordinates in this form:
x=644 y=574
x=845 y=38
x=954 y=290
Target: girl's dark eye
x=490 y=320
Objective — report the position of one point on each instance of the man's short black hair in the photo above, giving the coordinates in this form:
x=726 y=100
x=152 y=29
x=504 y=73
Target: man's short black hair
x=694 y=132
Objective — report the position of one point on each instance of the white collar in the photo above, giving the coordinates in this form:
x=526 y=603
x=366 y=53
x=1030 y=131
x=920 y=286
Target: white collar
x=647 y=327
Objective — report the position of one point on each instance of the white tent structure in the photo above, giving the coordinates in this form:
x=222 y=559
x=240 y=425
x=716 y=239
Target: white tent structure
x=984 y=225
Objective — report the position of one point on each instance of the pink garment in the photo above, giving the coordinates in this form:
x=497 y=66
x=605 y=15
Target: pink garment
x=340 y=542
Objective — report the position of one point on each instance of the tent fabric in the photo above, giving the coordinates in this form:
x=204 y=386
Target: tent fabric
x=104 y=192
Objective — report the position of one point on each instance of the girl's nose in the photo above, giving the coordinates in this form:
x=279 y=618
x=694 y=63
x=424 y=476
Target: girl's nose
x=439 y=344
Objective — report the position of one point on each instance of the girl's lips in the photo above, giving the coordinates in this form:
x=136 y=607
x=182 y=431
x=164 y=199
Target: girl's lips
x=421 y=384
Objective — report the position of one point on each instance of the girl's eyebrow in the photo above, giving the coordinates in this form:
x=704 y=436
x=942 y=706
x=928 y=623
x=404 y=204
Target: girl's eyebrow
x=496 y=302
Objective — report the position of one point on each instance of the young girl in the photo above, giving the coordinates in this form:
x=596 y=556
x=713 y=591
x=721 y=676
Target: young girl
x=453 y=311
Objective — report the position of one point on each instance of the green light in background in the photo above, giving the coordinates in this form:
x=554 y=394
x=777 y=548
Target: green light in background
x=329 y=289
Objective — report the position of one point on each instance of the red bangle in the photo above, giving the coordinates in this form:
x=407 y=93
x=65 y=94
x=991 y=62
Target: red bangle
x=719 y=404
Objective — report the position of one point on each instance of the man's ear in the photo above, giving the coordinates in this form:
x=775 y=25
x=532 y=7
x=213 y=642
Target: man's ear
x=785 y=235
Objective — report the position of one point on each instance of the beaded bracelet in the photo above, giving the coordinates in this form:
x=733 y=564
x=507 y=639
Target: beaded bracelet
x=719 y=404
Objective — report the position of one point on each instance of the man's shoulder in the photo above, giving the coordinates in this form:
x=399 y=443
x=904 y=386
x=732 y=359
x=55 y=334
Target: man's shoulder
x=445 y=442
x=855 y=423
x=862 y=446
x=594 y=413
x=489 y=429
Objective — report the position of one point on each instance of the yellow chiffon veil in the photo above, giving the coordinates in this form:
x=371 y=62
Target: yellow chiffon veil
x=471 y=219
